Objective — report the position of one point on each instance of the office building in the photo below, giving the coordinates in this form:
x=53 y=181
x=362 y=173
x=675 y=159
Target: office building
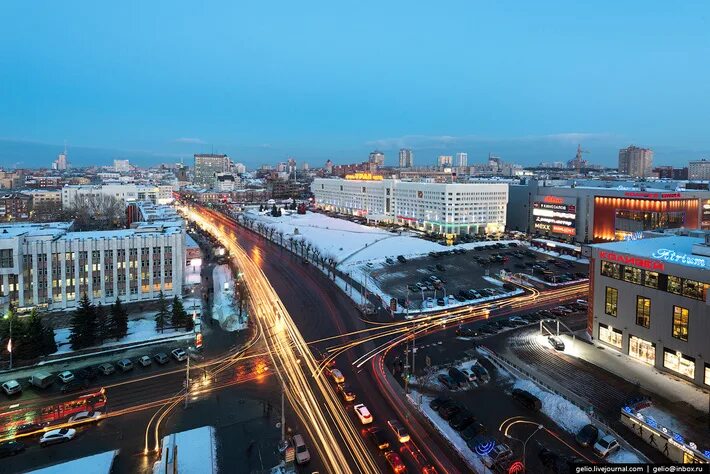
x=15 y=206
x=699 y=169
x=158 y=194
x=444 y=160
x=227 y=182
x=461 y=160
x=207 y=166
x=377 y=158
x=50 y=267
x=406 y=158
x=440 y=208
x=61 y=162
x=239 y=168
x=121 y=166
x=636 y=162
x=649 y=301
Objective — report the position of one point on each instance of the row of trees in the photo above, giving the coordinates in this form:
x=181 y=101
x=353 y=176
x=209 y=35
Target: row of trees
x=175 y=317
x=92 y=324
x=31 y=338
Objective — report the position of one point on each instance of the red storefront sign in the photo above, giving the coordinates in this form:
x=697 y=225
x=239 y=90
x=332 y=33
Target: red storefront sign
x=564 y=230
x=631 y=260
x=638 y=194
x=553 y=200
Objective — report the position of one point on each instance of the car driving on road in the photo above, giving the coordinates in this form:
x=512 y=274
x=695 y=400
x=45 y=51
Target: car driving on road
x=57 y=436
x=363 y=414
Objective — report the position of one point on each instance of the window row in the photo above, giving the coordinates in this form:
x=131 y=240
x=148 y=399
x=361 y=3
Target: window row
x=643 y=313
x=672 y=284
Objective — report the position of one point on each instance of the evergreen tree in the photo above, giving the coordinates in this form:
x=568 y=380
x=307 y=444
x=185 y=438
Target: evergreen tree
x=274 y=211
x=49 y=344
x=161 y=317
x=279 y=213
x=103 y=328
x=83 y=324
x=118 y=324
x=188 y=324
x=178 y=316
x=34 y=339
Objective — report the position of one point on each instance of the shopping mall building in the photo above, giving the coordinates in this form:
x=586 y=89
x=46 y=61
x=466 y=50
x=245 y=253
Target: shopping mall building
x=603 y=212
x=649 y=300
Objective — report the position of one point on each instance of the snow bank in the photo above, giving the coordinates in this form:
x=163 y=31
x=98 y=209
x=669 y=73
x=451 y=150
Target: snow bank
x=96 y=464
x=139 y=330
x=197 y=451
x=224 y=309
x=624 y=457
x=567 y=415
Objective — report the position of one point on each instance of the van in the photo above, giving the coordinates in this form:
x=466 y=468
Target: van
x=41 y=380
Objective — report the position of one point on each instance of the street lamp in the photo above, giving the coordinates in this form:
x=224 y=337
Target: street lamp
x=525 y=443
x=9 y=343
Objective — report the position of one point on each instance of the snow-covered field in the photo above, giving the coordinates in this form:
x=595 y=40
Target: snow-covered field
x=197 y=451
x=223 y=305
x=139 y=330
x=97 y=464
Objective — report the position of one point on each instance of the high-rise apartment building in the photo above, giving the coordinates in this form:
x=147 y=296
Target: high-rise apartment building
x=444 y=160
x=636 y=162
x=406 y=158
x=61 y=162
x=699 y=169
x=377 y=157
x=207 y=166
x=461 y=159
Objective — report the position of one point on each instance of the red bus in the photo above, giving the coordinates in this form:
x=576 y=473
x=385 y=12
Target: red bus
x=37 y=413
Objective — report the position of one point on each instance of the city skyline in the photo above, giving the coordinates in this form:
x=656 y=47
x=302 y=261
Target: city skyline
x=483 y=87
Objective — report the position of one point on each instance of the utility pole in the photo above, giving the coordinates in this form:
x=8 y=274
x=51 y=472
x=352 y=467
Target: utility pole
x=187 y=381
x=414 y=351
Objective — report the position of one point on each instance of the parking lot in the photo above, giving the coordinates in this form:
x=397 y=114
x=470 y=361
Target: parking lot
x=463 y=275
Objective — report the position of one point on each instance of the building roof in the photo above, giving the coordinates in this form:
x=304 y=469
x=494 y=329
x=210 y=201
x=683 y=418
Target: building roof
x=675 y=249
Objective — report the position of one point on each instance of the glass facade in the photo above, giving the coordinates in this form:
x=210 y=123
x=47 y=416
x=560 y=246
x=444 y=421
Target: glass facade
x=696 y=290
x=679 y=363
x=642 y=350
x=610 y=335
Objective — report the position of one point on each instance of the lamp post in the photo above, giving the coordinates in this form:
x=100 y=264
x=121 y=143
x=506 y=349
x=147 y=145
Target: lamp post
x=9 y=344
x=525 y=443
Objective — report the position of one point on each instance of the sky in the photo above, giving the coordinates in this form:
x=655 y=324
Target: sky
x=261 y=81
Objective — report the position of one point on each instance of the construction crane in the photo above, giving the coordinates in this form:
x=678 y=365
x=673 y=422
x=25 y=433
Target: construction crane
x=579 y=162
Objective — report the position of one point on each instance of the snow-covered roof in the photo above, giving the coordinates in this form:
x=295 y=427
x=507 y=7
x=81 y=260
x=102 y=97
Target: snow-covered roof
x=674 y=249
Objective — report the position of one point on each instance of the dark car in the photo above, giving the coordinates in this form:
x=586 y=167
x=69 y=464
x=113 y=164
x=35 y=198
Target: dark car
x=440 y=302
x=466 y=332
x=75 y=386
x=401 y=258
x=29 y=428
x=488 y=329
x=481 y=373
x=553 y=462
x=464 y=294
x=10 y=448
x=440 y=267
x=527 y=399
x=437 y=402
x=447 y=381
x=556 y=343
x=378 y=438
x=89 y=373
x=449 y=411
x=473 y=430
x=462 y=420
x=389 y=261
x=433 y=254
x=587 y=436
x=459 y=377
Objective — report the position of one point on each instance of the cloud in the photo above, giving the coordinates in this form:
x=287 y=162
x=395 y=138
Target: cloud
x=444 y=141
x=192 y=141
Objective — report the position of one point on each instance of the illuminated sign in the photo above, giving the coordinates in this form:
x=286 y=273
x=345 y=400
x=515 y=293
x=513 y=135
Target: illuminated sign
x=563 y=230
x=645 y=195
x=675 y=257
x=629 y=260
x=364 y=177
x=553 y=200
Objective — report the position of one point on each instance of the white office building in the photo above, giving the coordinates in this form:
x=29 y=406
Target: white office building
x=699 y=169
x=127 y=193
x=461 y=159
x=50 y=267
x=441 y=208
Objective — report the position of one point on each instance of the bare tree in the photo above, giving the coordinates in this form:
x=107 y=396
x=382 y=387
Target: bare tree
x=97 y=211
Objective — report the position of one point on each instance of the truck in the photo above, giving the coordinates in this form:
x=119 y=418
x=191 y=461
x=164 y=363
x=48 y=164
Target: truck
x=41 y=379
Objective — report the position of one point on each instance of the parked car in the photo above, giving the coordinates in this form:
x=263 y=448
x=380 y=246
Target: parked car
x=446 y=381
x=106 y=368
x=161 y=358
x=179 y=355
x=89 y=373
x=459 y=377
x=449 y=411
x=401 y=259
x=65 y=376
x=336 y=375
x=440 y=302
x=11 y=387
x=462 y=420
x=587 y=436
x=345 y=392
x=470 y=376
x=527 y=399
x=434 y=278
x=145 y=360
x=74 y=386
x=125 y=365
x=11 y=448
x=395 y=462
x=518 y=321
x=440 y=267
x=389 y=261
x=302 y=454
x=86 y=416
x=473 y=430
x=437 y=402
x=466 y=332
x=363 y=414
x=399 y=431
x=30 y=428
x=481 y=373
x=57 y=436
x=606 y=446
x=377 y=436
x=556 y=343
x=499 y=454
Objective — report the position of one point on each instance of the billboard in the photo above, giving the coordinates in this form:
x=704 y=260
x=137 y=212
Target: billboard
x=555 y=215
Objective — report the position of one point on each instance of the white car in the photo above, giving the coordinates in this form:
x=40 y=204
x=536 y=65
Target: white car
x=469 y=375
x=302 y=454
x=606 y=445
x=65 y=376
x=363 y=414
x=57 y=436
x=337 y=376
x=179 y=355
x=11 y=387
x=86 y=416
x=145 y=361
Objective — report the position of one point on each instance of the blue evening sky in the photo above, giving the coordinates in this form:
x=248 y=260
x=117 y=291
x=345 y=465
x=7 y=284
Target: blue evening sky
x=158 y=80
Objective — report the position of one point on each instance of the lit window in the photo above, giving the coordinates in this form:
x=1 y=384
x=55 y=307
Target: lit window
x=611 y=300
x=680 y=323
x=643 y=311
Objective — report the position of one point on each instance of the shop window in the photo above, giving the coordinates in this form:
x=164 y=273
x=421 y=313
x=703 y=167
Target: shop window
x=694 y=289
x=611 y=300
x=680 y=323
x=650 y=279
x=610 y=335
x=632 y=275
x=706 y=379
x=679 y=363
x=643 y=311
x=611 y=269
x=642 y=350
x=674 y=284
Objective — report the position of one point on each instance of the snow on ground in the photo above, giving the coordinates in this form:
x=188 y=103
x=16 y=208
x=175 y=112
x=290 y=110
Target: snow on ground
x=224 y=308
x=567 y=415
x=495 y=281
x=448 y=432
x=139 y=330
x=624 y=457
x=96 y=464
x=664 y=419
x=197 y=451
